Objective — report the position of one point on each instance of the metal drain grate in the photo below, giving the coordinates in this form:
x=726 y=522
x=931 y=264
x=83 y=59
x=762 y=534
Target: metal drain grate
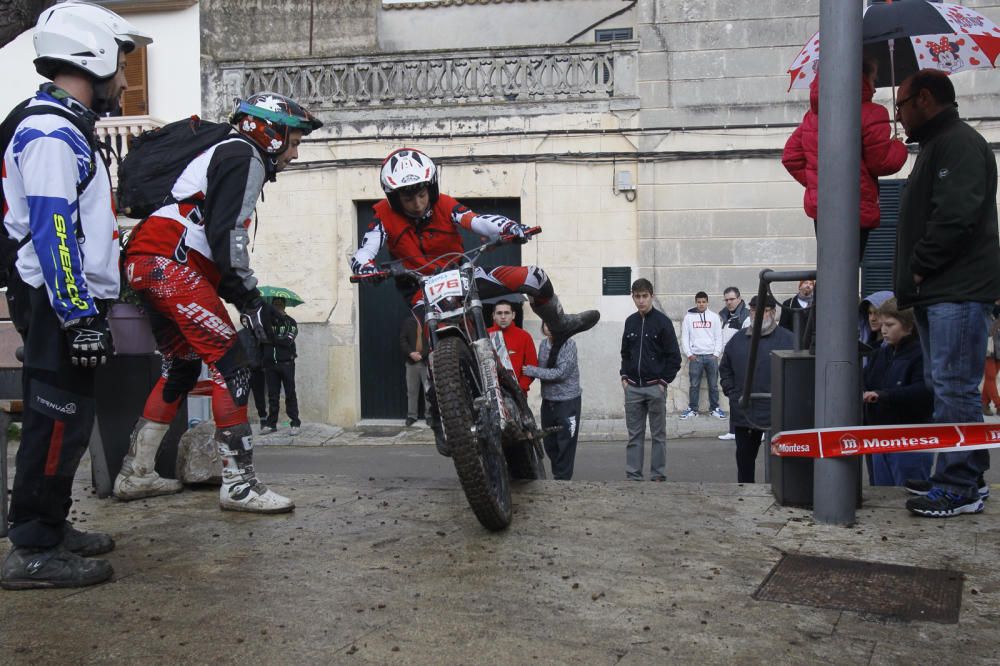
x=905 y=593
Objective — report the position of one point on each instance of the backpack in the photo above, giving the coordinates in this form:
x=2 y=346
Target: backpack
x=156 y=159
x=8 y=246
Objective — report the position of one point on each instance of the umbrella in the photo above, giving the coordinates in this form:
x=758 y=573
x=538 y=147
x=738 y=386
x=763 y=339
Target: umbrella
x=908 y=35
x=291 y=298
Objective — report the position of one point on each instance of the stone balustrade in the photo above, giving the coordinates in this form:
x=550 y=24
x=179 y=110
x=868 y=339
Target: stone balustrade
x=453 y=78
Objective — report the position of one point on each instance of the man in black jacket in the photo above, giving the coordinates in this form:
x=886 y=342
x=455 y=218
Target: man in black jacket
x=947 y=252
x=651 y=358
x=279 y=369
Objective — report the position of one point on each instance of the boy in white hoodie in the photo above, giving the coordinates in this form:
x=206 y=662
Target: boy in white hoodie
x=701 y=341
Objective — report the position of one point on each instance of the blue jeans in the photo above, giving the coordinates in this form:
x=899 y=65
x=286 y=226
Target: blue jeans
x=953 y=340
x=708 y=364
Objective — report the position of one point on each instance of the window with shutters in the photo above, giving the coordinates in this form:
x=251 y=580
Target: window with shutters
x=876 y=265
x=135 y=101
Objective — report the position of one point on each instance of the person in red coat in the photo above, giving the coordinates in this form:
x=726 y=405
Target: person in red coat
x=520 y=346
x=881 y=153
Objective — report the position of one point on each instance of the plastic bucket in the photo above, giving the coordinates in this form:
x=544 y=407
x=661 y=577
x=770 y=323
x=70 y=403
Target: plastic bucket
x=130 y=330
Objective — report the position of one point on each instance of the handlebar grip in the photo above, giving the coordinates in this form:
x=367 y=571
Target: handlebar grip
x=366 y=277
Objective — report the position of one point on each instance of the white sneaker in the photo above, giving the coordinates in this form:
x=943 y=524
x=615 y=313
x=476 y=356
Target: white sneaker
x=728 y=435
x=294 y=430
x=267 y=430
x=132 y=486
x=252 y=496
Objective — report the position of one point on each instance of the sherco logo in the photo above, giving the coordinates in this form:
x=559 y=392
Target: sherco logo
x=69 y=408
x=901 y=441
x=848 y=444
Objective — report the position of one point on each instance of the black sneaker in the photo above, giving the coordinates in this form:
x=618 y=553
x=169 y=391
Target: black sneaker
x=921 y=487
x=35 y=568
x=940 y=503
x=86 y=544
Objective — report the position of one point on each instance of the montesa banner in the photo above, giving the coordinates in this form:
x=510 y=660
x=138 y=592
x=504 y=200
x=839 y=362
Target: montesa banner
x=859 y=441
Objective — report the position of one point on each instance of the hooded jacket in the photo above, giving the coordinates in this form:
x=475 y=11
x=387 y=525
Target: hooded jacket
x=947 y=230
x=733 y=321
x=701 y=333
x=880 y=154
x=864 y=330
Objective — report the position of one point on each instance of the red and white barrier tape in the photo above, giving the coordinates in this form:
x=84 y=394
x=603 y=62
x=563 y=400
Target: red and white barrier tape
x=863 y=440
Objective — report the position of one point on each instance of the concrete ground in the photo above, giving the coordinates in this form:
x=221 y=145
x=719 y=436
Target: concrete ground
x=398 y=571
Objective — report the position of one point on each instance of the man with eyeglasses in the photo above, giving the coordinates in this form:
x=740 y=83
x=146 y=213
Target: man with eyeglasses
x=947 y=253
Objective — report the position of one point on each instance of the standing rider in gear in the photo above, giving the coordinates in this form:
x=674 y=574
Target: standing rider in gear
x=182 y=260
x=57 y=192
x=420 y=224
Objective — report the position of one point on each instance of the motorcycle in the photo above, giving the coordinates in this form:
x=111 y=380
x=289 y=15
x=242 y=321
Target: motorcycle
x=487 y=424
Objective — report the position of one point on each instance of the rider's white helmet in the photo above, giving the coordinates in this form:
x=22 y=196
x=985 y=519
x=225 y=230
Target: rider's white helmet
x=85 y=36
x=405 y=168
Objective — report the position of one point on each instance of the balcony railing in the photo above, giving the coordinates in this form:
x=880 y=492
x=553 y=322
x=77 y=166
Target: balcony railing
x=557 y=73
x=113 y=133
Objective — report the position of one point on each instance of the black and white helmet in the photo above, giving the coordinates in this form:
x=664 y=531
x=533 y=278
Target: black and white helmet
x=406 y=168
x=85 y=36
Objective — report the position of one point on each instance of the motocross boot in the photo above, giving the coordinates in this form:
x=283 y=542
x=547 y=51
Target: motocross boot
x=241 y=491
x=564 y=326
x=138 y=478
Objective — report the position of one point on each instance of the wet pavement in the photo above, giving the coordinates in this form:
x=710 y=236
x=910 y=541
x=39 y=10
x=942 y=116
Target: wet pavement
x=398 y=571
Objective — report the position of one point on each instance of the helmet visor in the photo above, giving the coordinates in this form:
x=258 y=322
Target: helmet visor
x=305 y=124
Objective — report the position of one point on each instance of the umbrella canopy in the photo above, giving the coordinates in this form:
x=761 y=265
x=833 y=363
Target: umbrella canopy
x=291 y=298
x=909 y=35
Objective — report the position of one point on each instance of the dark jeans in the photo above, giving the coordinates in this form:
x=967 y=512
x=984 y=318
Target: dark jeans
x=560 y=446
x=58 y=419
x=953 y=340
x=258 y=384
x=747 y=446
x=709 y=365
x=278 y=375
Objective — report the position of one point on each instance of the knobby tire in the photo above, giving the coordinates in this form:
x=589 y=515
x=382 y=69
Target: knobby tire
x=486 y=486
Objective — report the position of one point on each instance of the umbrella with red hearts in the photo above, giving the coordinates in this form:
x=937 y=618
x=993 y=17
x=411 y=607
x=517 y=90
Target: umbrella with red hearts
x=909 y=35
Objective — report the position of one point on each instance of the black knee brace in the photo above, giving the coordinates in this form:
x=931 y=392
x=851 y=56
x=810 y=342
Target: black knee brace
x=182 y=375
x=235 y=371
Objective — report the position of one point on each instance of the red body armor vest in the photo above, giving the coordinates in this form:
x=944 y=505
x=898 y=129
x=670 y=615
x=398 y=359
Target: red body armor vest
x=438 y=236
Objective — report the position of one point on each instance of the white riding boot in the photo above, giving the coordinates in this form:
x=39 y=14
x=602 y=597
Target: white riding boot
x=241 y=491
x=138 y=477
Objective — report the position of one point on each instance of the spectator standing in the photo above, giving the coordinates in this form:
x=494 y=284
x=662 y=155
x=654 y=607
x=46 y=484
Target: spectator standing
x=411 y=342
x=881 y=154
x=947 y=253
x=561 y=402
x=895 y=392
x=795 y=310
x=990 y=393
x=734 y=317
x=701 y=339
x=650 y=361
x=752 y=423
x=279 y=369
x=57 y=192
x=520 y=346
x=870 y=323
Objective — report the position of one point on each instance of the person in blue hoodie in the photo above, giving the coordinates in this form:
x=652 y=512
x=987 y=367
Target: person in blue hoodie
x=869 y=326
x=895 y=392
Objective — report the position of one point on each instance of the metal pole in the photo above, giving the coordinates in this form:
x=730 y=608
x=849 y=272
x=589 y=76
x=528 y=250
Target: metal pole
x=838 y=402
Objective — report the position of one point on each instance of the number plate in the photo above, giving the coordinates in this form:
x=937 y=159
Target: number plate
x=442 y=286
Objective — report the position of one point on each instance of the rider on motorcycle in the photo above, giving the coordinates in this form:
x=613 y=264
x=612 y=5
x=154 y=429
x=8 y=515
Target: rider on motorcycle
x=420 y=224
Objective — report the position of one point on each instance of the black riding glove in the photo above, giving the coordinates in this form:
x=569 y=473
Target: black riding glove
x=89 y=341
x=258 y=316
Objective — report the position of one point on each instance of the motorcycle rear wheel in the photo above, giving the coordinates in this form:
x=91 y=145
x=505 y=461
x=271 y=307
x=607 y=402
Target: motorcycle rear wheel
x=478 y=456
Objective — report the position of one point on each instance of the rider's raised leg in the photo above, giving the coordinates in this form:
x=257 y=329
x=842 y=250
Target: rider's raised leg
x=532 y=281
